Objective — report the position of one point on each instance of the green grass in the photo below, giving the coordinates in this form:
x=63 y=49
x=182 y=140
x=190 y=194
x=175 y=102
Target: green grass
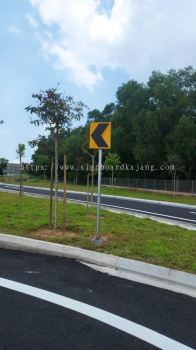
x=159 y=196
x=126 y=236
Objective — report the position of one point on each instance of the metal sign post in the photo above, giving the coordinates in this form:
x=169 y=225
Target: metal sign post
x=100 y=138
x=97 y=239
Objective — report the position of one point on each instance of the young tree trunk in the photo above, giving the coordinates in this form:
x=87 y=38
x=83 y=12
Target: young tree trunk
x=87 y=197
x=65 y=191
x=174 y=181
x=51 y=190
x=56 y=180
x=112 y=179
x=92 y=178
x=20 y=176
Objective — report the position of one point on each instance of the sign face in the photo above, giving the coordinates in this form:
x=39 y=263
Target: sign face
x=100 y=135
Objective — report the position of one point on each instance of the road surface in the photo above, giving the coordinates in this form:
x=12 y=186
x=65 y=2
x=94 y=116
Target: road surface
x=169 y=212
x=52 y=303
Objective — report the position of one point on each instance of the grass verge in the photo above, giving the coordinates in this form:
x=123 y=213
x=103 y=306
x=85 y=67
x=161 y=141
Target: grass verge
x=159 y=196
x=124 y=235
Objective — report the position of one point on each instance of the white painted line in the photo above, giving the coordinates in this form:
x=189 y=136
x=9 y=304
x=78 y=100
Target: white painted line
x=173 y=204
x=137 y=214
x=156 y=215
x=193 y=212
x=148 y=212
x=131 y=209
x=132 y=328
x=134 y=210
x=8 y=190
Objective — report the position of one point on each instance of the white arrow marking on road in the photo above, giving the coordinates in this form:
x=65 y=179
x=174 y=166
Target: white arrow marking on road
x=132 y=328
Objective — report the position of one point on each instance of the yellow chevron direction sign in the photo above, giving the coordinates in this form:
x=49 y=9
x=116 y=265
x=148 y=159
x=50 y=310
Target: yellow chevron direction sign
x=100 y=135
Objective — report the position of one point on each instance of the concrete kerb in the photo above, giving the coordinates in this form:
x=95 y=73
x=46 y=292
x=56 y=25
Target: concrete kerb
x=154 y=275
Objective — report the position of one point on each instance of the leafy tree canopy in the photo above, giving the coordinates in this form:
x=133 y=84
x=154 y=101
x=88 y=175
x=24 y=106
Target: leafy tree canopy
x=152 y=123
x=55 y=110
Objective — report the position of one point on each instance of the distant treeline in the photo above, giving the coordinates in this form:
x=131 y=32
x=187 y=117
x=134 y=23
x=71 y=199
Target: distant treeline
x=153 y=127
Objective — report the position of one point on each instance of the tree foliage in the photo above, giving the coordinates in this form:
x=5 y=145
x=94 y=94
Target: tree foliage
x=181 y=142
x=54 y=110
x=152 y=123
x=112 y=161
x=20 y=150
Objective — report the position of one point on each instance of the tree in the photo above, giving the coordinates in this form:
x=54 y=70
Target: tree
x=3 y=165
x=42 y=157
x=1 y=122
x=94 y=116
x=174 y=160
x=112 y=161
x=181 y=144
x=171 y=97
x=20 y=152
x=132 y=98
x=148 y=146
x=55 y=111
x=144 y=118
x=187 y=78
x=108 y=112
x=42 y=164
x=73 y=147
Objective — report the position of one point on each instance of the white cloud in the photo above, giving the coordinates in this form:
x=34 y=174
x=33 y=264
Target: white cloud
x=32 y=21
x=135 y=35
x=14 y=29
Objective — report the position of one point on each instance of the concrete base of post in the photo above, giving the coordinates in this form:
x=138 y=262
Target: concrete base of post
x=97 y=241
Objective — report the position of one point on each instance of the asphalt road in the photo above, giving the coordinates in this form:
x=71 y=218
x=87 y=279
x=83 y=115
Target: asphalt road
x=31 y=323
x=172 y=212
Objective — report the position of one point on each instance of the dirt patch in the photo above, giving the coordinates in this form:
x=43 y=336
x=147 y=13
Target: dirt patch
x=106 y=237
x=46 y=233
x=91 y=216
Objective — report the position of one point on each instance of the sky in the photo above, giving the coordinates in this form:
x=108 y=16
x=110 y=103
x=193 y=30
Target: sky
x=90 y=47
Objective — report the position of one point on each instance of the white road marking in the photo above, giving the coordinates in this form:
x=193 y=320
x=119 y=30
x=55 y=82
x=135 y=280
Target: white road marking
x=135 y=210
x=148 y=212
x=193 y=212
x=155 y=217
x=130 y=209
x=132 y=328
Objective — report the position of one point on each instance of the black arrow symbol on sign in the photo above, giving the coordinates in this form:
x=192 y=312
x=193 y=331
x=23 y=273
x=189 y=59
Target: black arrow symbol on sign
x=97 y=135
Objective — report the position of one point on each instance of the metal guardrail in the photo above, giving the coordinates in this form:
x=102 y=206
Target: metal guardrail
x=183 y=186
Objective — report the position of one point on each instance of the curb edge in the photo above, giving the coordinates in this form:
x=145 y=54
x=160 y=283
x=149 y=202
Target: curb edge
x=154 y=275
